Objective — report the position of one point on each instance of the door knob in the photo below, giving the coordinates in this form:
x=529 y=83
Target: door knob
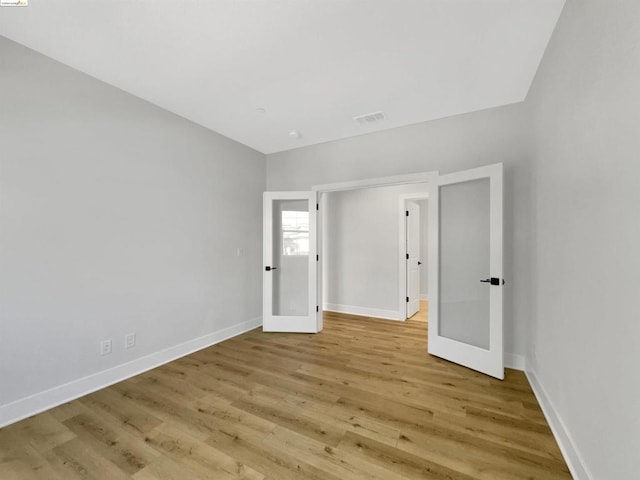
x=419 y=262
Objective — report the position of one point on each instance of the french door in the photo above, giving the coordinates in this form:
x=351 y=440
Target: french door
x=465 y=274
x=290 y=263
x=465 y=269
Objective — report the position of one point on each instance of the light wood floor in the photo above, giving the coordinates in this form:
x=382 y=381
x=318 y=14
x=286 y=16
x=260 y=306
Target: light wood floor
x=421 y=316
x=361 y=400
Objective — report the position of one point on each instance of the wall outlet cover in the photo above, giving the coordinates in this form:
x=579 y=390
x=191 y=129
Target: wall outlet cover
x=105 y=347
x=130 y=340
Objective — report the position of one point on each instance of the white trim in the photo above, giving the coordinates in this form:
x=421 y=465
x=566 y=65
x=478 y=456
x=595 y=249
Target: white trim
x=514 y=361
x=364 y=311
x=376 y=182
x=402 y=241
x=424 y=296
x=41 y=401
x=321 y=239
x=572 y=457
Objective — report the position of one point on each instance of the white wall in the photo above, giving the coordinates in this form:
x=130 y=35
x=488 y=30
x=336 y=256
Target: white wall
x=115 y=217
x=584 y=334
x=451 y=144
x=361 y=250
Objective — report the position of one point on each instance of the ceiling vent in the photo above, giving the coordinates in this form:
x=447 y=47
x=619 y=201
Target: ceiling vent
x=369 y=118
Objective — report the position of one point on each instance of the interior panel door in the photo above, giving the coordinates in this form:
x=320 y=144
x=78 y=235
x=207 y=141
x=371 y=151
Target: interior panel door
x=290 y=266
x=465 y=269
x=413 y=257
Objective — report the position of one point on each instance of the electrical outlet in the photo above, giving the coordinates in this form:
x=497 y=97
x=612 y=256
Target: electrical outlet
x=130 y=340
x=105 y=347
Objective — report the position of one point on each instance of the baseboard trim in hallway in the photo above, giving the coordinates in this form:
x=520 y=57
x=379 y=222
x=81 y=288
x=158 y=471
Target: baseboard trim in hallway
x=41 y=401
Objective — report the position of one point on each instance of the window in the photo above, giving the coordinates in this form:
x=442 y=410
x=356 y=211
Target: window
x=295 y=233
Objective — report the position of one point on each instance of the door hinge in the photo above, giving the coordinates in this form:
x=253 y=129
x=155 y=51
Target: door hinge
x=317 y=308
x=317 y=206
x=317 y=258
x=407 y=256
x=407 y=299
x=407 y=212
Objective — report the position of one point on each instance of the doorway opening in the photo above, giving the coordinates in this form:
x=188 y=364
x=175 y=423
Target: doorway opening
x=465 y=246
x=413 y=215
x=363 y=241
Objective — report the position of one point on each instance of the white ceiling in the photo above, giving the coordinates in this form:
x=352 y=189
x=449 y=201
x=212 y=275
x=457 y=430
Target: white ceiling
x=312 y=64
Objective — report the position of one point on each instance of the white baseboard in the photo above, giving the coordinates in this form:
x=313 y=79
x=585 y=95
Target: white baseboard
x=567 y=446
x=424 y=296
x=39 y=402
x=512 y=360
x=364 y=311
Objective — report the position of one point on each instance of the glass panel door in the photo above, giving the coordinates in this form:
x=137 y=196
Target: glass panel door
x=465 y=269
x=290 y=262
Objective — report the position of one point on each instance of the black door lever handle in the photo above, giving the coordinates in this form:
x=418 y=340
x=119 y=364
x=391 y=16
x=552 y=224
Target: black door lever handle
x=268 y=269
x=493 y=281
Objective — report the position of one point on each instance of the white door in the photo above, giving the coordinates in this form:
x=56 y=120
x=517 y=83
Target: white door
x=290 y=263
x=412 y=224
x=465 y=269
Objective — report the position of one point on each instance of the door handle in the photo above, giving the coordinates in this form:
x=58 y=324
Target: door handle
x=493 y=281
x=268 y=269
x=419 y=262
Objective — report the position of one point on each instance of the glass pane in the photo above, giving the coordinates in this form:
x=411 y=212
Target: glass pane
x=291 y=257
x=464 y=261
x=293 y=220
x=295 y=232
x=295 y=243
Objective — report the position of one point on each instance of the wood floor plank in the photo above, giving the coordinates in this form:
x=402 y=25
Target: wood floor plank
x=472 y=456
x=409 y=465
x=111 y=442
x=28 y=463
x=197 y=456
x=360 y=400
x=43 y=432
x=165 y=468
x=288 y=417
x=265 y=457
x=329 y=459
x=125 y=412
x=77 y=460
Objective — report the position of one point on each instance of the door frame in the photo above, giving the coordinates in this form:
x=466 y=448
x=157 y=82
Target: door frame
x=431 y=178
x=402 y=259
